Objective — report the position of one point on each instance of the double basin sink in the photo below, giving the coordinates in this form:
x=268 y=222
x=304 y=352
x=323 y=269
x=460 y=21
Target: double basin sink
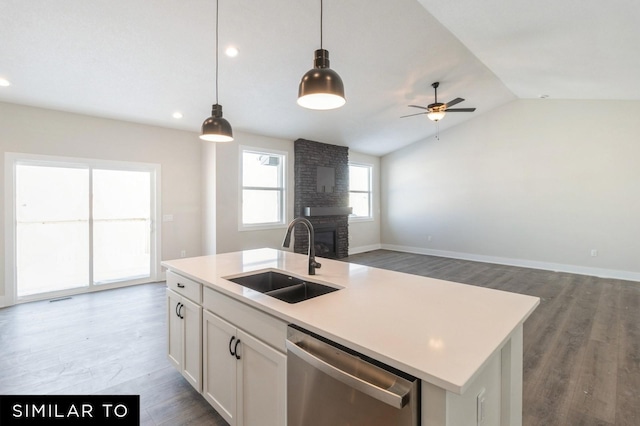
x=282 y=286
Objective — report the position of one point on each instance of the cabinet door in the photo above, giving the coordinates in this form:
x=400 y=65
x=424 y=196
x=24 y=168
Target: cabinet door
x=192 y=331
x=174 y=330
x=262 y=383
x=219 y=365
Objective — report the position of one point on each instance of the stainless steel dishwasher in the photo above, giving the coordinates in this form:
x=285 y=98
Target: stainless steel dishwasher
x=329 y=385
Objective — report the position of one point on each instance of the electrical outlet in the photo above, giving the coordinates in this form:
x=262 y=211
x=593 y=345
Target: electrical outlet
x=481 y=408
x=594 y=252
x=183 y=253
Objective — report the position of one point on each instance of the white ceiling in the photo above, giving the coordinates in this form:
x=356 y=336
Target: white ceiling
x=141 y=60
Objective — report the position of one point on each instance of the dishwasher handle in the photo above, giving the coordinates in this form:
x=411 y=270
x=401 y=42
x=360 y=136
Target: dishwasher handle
x=394 y=399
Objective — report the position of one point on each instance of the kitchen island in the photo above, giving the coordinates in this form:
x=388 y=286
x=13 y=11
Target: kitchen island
x=463 y=342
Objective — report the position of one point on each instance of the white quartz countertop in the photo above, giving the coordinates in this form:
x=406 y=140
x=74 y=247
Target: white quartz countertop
x=439 y=331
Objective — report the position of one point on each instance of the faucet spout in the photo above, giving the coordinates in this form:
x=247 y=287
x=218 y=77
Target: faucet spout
x=313 y=265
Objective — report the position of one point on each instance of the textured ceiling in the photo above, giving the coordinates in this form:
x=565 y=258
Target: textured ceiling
x=141 y=60
x=569 y=49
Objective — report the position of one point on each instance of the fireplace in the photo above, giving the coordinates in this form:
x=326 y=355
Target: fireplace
x=331 y=234
x=322 y=196
x=325 y=240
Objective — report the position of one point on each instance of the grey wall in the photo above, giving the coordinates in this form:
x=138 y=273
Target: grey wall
x=535 y=183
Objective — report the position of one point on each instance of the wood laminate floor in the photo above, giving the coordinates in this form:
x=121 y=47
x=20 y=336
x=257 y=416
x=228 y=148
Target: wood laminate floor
x=581 y=346
x=108 y=342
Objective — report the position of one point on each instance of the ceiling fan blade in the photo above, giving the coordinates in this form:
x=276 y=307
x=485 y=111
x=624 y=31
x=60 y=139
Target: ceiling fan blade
x=453 y=102
x=418 y=106
x=411 y=115
x=460 y=110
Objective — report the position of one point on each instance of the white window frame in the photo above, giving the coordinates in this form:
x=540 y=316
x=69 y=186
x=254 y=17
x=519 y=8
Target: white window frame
x=13 y=159
x=369 y=167
x=282 y=223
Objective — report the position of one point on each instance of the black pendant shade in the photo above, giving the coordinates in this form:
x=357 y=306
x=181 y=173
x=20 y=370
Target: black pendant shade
x=321 y=87
x=216 y=128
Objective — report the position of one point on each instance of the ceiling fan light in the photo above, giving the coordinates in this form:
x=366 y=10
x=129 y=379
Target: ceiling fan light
x=216 y=128
x=321 y=87
x=435 y=115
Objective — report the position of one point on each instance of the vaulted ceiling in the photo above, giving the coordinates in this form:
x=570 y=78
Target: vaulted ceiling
x=142 y=60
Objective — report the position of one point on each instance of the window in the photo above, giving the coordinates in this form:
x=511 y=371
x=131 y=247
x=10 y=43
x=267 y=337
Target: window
x=360 y=190
x=263 y=188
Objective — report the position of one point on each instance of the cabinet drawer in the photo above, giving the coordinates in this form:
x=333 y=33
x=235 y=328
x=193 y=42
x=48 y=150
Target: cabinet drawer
x=269 y=329
x=185 y=286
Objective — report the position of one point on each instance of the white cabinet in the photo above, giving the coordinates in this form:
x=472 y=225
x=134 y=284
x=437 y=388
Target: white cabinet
x=184 y=318
x=244 y=378
x=219 y=369
x=262 y=382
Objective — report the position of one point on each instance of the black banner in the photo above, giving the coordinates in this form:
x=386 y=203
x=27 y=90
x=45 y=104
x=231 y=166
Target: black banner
x=36 y=410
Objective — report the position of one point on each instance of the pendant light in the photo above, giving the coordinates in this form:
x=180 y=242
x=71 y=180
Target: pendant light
x=321 y=87
x=216 y=128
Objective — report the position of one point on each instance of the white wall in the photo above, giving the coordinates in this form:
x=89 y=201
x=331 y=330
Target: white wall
x=228 y=237
x=209 y=202
x=46 y=132
x=365 y=235
x=536 y=183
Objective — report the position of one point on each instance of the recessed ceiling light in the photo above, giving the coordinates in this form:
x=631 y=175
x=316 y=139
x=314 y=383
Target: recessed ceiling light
x=231 y=52
x=4 y=82
x=177 y=115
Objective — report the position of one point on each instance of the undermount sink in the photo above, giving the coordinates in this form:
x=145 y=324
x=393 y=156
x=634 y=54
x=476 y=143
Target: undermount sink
x=283 y=287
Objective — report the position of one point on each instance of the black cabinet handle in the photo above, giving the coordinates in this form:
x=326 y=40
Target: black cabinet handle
x=235 y=349
x=180 y=285
x=230 y=343
x=180 y=310
x=176 y=309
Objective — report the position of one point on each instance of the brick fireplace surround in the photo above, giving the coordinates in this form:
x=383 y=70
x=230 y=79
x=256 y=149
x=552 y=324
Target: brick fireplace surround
x=322 y=180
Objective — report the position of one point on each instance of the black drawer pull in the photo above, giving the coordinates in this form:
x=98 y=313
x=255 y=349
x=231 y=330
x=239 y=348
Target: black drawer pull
x=180 y=285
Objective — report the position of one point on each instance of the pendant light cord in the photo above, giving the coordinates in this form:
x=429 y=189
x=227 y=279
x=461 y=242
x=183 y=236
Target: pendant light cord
x=217 y=7
x=321 y=24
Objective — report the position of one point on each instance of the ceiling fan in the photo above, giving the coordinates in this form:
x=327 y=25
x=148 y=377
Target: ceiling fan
x=437 y=110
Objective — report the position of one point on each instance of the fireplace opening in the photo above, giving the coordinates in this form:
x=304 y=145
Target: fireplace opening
x=325 y=240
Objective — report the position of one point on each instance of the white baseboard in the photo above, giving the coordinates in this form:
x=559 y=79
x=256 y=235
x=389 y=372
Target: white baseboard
x=523 y=263
x=362 y=249
x=4 y=301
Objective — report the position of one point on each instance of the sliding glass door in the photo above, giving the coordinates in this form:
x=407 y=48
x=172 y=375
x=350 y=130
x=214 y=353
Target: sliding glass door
x=52 y=228
x=121 y=225
x=83 y=225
